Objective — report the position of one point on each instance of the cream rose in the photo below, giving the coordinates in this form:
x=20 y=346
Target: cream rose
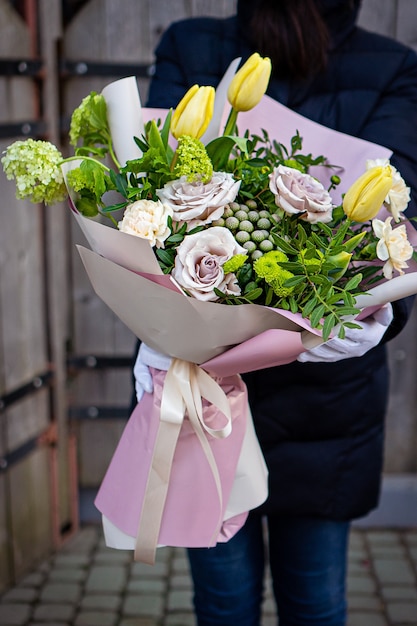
x=198 y=264
x=398 y=197
x=196 y=202
x=298 y=193
x=147 y=219
x=393 y=246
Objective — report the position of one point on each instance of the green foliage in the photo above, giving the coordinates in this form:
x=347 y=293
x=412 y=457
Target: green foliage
x=323 y=280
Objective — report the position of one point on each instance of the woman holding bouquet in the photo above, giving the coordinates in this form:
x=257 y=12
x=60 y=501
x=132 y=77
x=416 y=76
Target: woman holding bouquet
x=320 y=422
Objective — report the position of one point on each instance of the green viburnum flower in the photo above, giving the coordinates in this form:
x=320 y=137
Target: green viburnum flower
x=89 y=119
x=268 y=268
x=34 y=165
x=78 y=181
x=192 y=160
x=235 y=263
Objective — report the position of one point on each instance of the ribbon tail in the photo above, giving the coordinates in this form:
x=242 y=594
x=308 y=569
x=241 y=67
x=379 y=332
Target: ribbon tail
x=156 y=492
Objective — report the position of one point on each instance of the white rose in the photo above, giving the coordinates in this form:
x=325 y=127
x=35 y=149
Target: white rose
x=296 y=192
x=393 y=246
x=147 y=219
x=398 y=197
x=198 y=264
x=196 y=202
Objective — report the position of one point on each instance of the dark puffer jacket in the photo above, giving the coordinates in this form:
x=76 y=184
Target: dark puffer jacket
x=321 y=426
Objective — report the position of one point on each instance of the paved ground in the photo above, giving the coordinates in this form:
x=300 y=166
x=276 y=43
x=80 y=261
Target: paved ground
x=87 y=584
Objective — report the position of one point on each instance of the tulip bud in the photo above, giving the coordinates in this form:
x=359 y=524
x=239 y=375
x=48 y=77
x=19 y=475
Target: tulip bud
x=249 y=83
x=365 y=197
x=341 y=262
x=193 y=113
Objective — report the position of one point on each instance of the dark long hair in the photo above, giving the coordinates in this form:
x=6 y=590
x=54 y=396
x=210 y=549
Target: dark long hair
x=293 y=34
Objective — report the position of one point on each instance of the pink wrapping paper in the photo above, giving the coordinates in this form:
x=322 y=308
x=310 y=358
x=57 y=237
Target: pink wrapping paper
x=192 y=509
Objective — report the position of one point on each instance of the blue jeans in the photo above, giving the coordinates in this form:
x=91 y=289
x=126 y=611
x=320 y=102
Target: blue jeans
x=307 y=558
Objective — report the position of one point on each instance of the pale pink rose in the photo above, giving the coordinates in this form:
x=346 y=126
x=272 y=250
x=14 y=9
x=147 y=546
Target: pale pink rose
x=393 y=246
x=196 y=202
x=148 y=220
x=198 y=264
x=298 y=193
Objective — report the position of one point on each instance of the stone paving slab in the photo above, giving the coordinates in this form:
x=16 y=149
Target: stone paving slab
x=87 y=584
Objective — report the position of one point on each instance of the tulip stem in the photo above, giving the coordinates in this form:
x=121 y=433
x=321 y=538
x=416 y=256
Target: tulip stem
x=174 y=161
x=230 y=127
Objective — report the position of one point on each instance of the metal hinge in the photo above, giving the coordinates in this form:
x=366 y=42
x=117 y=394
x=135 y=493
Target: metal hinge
x=21 y=67
x=69 y=68
x=37 y=383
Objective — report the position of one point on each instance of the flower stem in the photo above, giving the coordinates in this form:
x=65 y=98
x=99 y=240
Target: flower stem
x=230 y=127
x=84 y=158
x=110 y=217
x=113 y=156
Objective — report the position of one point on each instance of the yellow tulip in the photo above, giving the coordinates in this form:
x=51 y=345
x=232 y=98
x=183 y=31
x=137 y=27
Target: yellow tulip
x=193 y=113
x=249 y=83
x=365 y=197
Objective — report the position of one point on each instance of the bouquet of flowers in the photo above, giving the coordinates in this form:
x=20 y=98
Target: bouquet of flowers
x=239 y=219
x=209 y=216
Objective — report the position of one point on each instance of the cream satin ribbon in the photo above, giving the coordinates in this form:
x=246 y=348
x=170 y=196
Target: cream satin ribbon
x=184 y=387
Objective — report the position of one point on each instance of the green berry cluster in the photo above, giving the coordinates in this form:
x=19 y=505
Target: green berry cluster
x=250 y=226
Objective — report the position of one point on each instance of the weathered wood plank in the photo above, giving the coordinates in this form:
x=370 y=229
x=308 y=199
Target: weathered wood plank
x=30 y=510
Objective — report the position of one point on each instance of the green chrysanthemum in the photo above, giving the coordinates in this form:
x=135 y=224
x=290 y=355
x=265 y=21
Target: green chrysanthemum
x=267 y=265
x=235 y=263
x=34 y=165
x=193 y=160
x=268 y=268
x=278 y=284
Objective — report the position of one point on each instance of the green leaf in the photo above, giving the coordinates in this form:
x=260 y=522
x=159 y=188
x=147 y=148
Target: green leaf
x=309 y=307
x=254 y=294
x=302 y=235
x=353 y=282
x=334 y=299
x=268 y=297
x=219 y=151
x=119 y=181
x=346 y=310
x=352 y=325
x=292 y=266
x=293 y=304
x=114 y=207
x=293 y=281
x=282 y=244
x=318 y=279
x=177 y=238
x=328 y=325
x=155 y=141
x=87 y=206
x=316 y=315
x=348 y=299
x=166 y=256
x=326 y=229
x=351 y=243
x=165 y=132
